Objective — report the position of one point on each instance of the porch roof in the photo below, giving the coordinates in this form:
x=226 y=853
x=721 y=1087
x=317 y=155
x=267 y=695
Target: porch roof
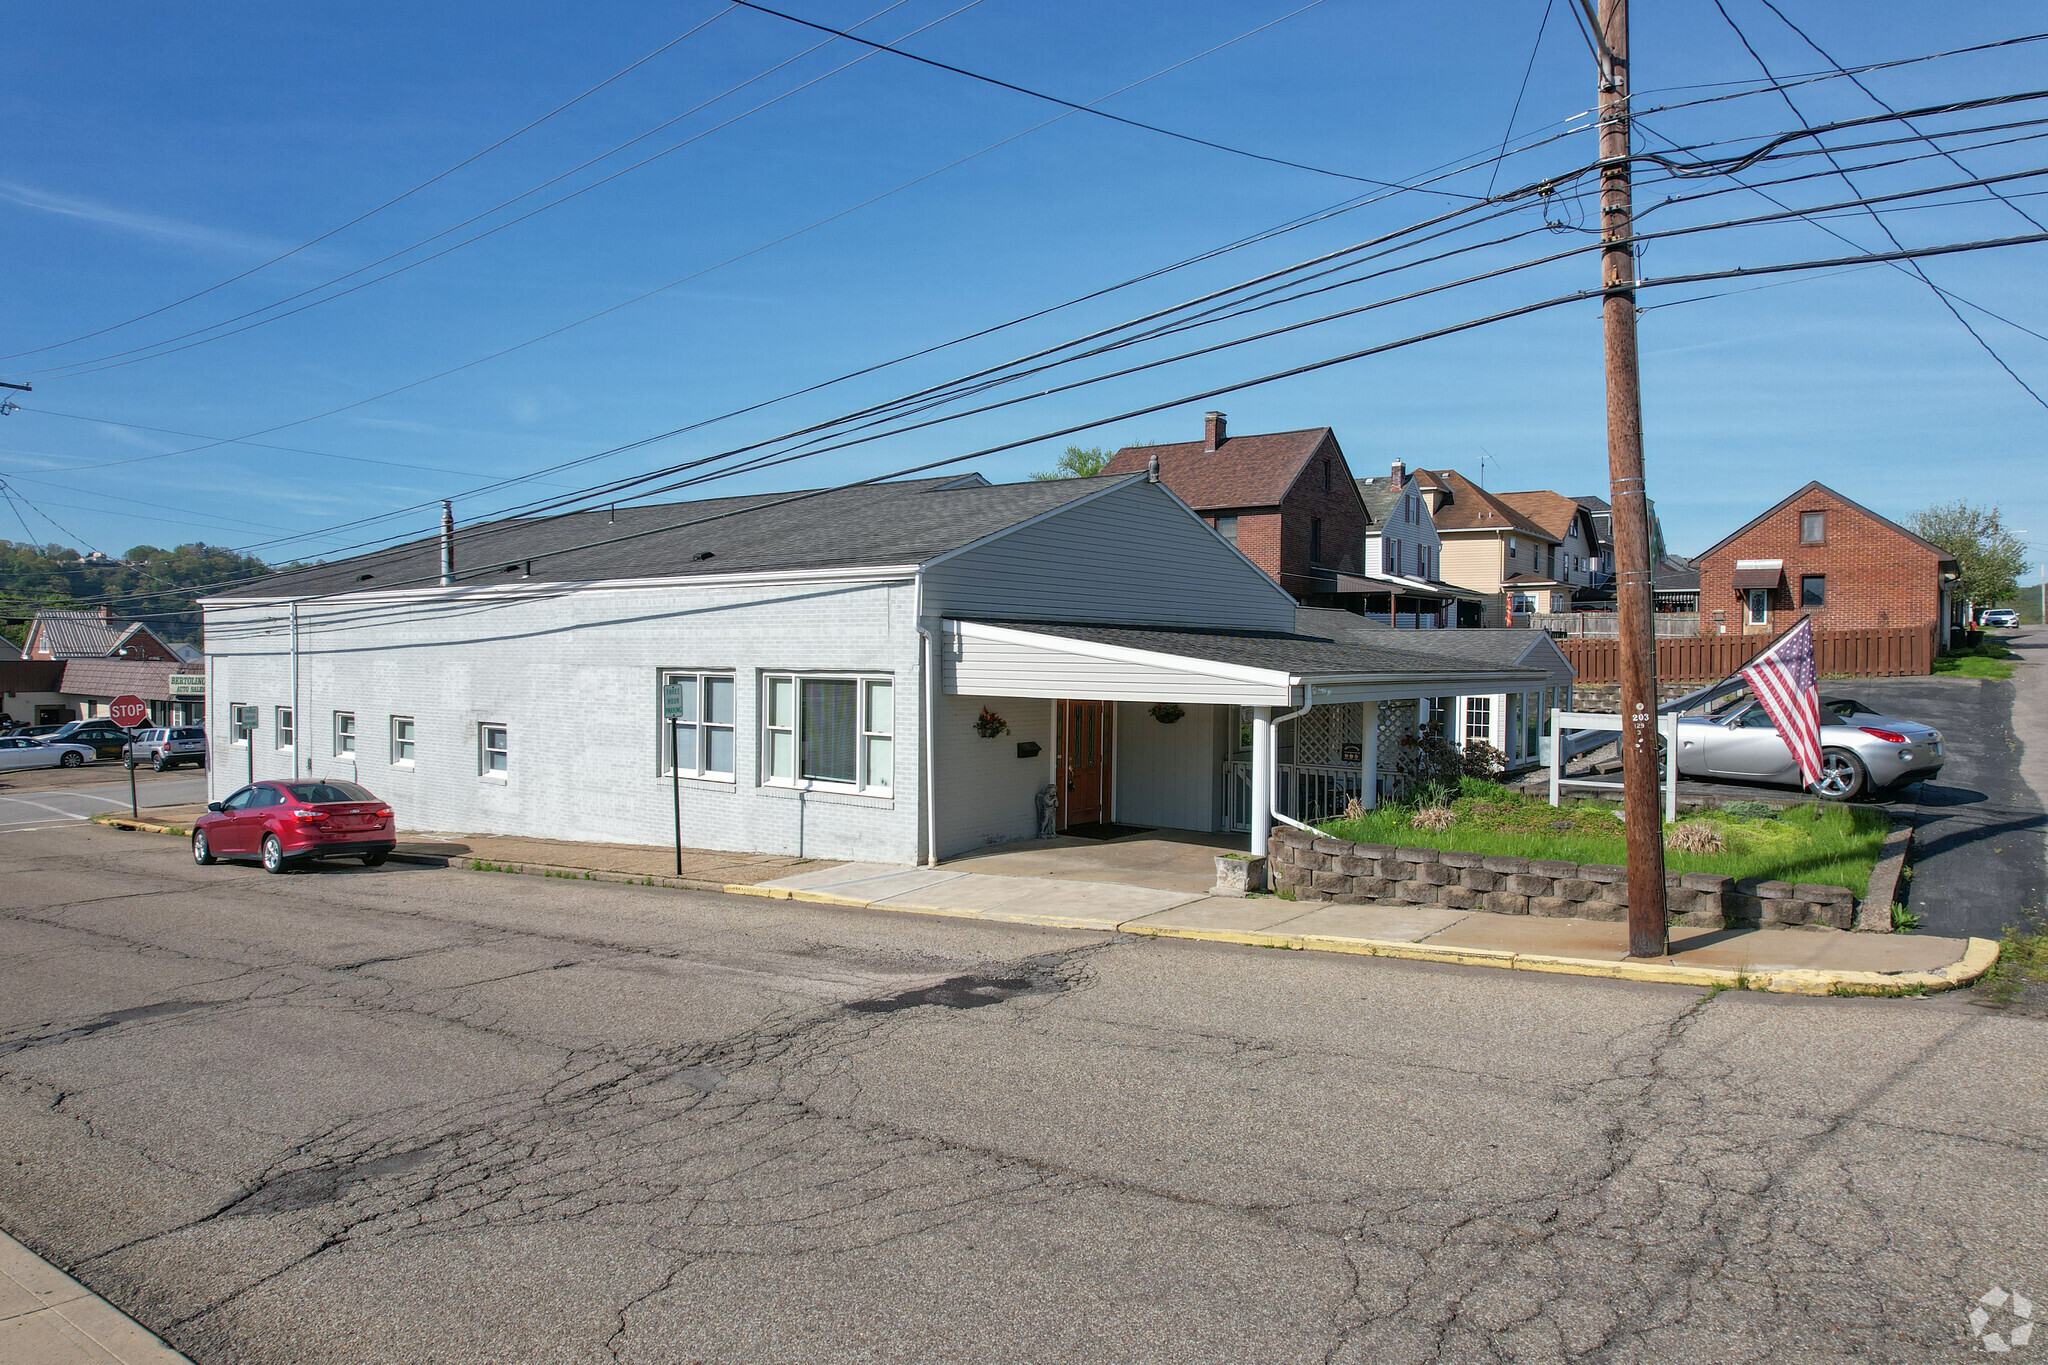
x=1116 y=662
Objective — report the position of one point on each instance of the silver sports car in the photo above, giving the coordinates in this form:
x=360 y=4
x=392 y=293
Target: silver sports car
x=1860 y=749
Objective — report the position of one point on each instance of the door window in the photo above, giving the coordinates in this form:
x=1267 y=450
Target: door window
x=1759 y=606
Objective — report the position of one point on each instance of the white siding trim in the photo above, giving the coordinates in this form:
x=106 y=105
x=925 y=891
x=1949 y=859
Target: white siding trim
x=528 y=588
x=1090 y=649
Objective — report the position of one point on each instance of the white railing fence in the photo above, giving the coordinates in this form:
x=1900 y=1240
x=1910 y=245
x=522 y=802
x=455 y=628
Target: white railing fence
x=1306 y=792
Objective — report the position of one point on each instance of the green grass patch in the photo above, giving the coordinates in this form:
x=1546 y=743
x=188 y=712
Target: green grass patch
x=1986 y=659
x=1830 y=845
x=2022 y=966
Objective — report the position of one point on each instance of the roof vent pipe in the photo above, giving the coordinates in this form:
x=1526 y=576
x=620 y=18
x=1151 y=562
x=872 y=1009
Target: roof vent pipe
x=1152 y=468
x=447 y=544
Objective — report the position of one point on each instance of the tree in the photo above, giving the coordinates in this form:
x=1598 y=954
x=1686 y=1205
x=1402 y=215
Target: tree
x=152 y=584
x=1989 y=557
x=1080 y=462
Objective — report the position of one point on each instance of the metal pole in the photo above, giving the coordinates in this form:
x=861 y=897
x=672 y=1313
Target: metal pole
x=1631 y=515
x=134 y=812
x=675 y=778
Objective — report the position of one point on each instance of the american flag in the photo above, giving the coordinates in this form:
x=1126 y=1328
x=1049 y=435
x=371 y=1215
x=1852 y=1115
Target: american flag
x=1783 y=680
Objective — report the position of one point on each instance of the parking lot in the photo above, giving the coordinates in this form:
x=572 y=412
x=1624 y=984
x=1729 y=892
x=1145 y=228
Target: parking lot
x=40 y=798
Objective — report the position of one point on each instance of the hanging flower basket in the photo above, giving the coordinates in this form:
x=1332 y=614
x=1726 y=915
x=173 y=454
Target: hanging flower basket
x=989 y=725
x=1166 y=712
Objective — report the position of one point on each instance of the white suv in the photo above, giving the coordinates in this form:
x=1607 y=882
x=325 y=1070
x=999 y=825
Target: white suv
x=163 y=749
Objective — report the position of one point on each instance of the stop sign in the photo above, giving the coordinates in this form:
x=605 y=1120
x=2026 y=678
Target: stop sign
x=128 y=712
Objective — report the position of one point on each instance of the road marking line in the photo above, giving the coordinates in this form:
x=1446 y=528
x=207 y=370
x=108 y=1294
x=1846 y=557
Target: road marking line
x=54 y=810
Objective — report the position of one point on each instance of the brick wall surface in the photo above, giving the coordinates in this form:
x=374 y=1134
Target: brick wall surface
x=1342 y=514
x=1876 y=575
x=1315 y=867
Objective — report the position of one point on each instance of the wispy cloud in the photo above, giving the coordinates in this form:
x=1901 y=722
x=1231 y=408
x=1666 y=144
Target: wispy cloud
x=148 y=225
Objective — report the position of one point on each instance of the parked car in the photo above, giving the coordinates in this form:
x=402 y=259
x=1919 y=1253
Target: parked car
x=107 y=739
x=286 y=823
x=21 y=751
x=1999 y=618
x=1861 y=750
x=39 y=731
x=167 y=748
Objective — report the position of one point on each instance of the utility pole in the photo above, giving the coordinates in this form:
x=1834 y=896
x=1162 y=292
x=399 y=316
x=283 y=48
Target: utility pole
x=1633 y=589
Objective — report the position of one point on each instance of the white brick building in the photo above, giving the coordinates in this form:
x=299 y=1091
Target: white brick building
x=813 y=637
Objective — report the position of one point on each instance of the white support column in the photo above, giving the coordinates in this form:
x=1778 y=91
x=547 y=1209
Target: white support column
x=1262 y=779
x=1369 y=755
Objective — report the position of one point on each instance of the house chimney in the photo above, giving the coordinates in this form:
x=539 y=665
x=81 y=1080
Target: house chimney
x=1400 y=473
x=447 y=544
x=1212 y=431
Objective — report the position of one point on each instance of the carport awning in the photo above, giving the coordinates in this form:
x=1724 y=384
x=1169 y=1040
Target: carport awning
x=1759 y=573
x=1242 y=668
x=1413 y=587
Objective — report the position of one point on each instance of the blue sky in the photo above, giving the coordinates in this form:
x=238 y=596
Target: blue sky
x=156 y=151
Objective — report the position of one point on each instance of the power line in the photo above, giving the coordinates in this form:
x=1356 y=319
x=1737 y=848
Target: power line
x=1913 y=265
x=1077 y=108
x=1520 y=91
x=170 y=346
x=561 y=108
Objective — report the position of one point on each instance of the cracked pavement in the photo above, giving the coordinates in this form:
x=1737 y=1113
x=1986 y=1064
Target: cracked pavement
x=419 y=1115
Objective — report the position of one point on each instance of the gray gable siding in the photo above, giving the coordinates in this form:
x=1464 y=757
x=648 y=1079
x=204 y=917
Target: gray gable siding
x=1135 y=556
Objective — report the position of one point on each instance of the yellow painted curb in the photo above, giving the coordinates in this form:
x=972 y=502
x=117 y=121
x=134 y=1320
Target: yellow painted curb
x=113 y=821
x=1978 y=958
x=774 y=893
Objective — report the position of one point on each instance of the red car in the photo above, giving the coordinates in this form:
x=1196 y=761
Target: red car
x=288 y=822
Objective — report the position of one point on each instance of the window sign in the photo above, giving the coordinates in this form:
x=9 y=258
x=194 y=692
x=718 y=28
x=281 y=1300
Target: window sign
x=244 y=722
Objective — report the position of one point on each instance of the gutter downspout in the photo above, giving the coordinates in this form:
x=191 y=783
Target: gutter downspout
x=1273 y=787
x=926 y=729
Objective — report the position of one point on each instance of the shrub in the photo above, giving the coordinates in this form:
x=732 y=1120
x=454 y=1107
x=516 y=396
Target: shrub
x=1482 y=761
x=1751 y=810
x=1427 y=768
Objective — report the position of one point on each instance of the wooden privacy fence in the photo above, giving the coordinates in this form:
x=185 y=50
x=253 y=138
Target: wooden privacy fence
x=1871 y=652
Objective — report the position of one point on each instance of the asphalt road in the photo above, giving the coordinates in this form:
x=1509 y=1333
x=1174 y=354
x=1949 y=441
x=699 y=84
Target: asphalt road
x=46 y=798
x=421 y=1115
x=1980 y=837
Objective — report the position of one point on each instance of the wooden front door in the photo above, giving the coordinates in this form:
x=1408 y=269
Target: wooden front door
x=1084 y=761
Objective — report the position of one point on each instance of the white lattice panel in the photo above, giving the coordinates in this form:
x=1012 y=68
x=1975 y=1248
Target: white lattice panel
x=1319 y=735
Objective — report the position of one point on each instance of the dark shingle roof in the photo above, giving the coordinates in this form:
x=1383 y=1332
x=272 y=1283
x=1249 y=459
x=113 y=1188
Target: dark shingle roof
x=1490 y=649
x=1310 y=652
x=871 y=525
x=1380 y=496
x=1244 y=471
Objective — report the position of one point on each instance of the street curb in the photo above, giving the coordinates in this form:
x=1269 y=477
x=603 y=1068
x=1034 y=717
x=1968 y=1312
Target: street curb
x=142 y=826
x=1874 y=911
x=1977 y=959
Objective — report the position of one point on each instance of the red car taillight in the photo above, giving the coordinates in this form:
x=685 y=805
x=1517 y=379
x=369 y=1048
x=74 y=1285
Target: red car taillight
x=386 y=814
x=309 y=815
x=1888 y=736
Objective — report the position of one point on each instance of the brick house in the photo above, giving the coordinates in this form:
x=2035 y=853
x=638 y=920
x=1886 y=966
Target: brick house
x=1285 y=499
x=1820 y=554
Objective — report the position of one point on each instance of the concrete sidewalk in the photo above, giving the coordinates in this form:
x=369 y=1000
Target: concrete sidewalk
x=1794 y=960
x=48 y=1318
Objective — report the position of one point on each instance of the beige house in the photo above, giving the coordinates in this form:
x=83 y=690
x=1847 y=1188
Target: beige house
x=1498 y=551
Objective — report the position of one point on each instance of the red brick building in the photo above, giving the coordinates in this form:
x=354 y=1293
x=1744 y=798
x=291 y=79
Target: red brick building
x=1823 y=555
x=1285 y=499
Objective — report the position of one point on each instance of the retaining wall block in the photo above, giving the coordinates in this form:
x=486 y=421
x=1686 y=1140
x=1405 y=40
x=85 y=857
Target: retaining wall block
x=1506 y=903
x=1358 y=867
x=1451 y=857
x=1577 y=888
x=1479 y=879
x=1416 y=855
x=1497 y=863
x=1458 y=898
x=1287 y=834
x=1400 y=871
x=1602 y=872
x=1380 y=851
x=1601 y=910
x=1330 y=881
x=1706 y=881
x=1436 y=874
x=1529 y=884
x=1552 y=907
x=1553 y=867
x=1416 y=893
x=1824 y=895
x=1331 y=846
x=1373 y=888
x=1614 y=893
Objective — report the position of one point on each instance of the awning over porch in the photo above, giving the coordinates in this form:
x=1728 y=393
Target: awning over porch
x=1759 y=573
x=1377 y=583
x=1244 y=668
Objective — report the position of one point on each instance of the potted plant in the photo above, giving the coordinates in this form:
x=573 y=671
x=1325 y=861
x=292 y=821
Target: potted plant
x=1166 y=712
x=988 y=725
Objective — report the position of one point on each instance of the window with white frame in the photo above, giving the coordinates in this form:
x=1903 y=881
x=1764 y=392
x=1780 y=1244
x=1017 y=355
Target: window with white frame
x=1479 y=720
x=344 y=734
x=702 y=735
x=286 y=731
x=832 y=732
x=242 y=722
x=493 y=750
x=402 y=731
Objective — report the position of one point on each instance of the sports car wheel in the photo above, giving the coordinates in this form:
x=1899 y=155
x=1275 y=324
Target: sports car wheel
x=201 y=854
x=1842 y=776
x=273 y=854
x=73 y=760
